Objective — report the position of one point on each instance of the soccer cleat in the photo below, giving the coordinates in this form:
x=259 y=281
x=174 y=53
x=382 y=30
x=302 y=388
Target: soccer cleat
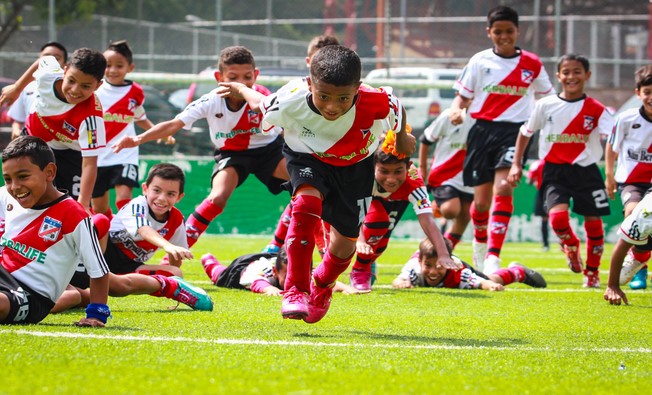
x=479 y=253
x=573 y=258
x=295 y=304
x=491 y=264
x=271 y=249
x=192 y=296
x=630 y=267
x=591 y=278
x=361 y=279
x=320 y=302
x=532 y=277
x=640 y=280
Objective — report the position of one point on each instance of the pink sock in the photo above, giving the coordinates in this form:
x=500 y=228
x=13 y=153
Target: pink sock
x=330 y=269
x=300 y=241
x=212 y=267
x=501 y=213
x=198 y=221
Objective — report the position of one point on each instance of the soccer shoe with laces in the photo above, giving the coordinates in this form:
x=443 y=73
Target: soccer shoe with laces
x=573 y=258
x=295 y=304
x=491 y=264
x=640 y=280
x=320 y=302
x=630 y=267
x=192 y=296
x=361 y=279
x=271 y=249
x=591 y=278
x=479 y=253
x=532 y=277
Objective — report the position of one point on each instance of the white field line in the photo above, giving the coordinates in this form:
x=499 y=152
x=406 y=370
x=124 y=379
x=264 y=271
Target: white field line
x=254 y=342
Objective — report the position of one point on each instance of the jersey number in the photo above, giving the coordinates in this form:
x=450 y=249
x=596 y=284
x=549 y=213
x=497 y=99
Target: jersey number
x=130 y=172
x=363 y=205
x=600 y=198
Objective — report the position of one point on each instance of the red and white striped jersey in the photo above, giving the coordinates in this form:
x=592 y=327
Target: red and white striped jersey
x=230 y=130
x=448 y=158
x=43 y=245
x=62 y=125
x=413 y=190
x=570 y=130
x=20 y=109
x=502 y=88
x=632 y=140
x=342 y=142
x=125 y=224
x=637 y=227
x=122 y=105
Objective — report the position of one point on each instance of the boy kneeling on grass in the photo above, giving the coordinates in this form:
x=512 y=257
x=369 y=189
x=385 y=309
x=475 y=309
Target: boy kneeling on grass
x=423 y=270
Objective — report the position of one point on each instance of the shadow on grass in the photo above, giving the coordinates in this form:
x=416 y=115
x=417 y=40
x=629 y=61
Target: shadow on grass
x=455 y=293
x=445 y=341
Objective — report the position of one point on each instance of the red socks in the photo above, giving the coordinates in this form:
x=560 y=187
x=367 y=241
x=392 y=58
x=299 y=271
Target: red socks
x=199 y=220
x=454 y=238
x=121 y=203
x=300 y=241
x=330 y=269
x=594 y=244
x=480 y=222
x=560 y=222
x=514 y=274
x=282 y=227
x=503 y=208
x=168 y=287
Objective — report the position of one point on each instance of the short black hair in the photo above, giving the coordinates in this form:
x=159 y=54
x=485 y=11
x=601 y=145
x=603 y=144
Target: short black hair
x=235 y=55
x=643 y=76
x=88 y=61
x=574 y=56
x=319 y=42
x=383 y=157
x=428 y=250
x=336 y=65
x=32 y=147
x=122 y=47
x=502 y=13
x=281 y=259
x=57 y=45
x=167 y=171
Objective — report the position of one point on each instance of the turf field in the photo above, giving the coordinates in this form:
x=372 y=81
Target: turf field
x=563 y=339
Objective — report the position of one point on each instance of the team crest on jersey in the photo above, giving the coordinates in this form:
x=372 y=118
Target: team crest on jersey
x=50 y=229
x=588 y=122
x=132 y=104
x=253 y=117
x=10 y=207
x=527 y=76
x=365 y=133
x=163 y=231
x=68 y=128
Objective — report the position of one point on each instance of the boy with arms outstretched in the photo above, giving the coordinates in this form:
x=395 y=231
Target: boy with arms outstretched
x=46 y=234
x=570 y=126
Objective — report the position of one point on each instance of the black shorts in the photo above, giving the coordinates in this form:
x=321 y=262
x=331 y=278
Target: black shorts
x=632 y=192
x=260 y=162
x=110 y=176
x=490 y=146
x=25 y=305
x=444 y=193
x=118 y=262
x=584 y=185
x=69 y=169
x=540 y=209
x=346 y=189
x=230 y=277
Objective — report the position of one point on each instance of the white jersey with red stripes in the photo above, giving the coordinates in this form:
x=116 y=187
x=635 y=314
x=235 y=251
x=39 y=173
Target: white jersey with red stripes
x=125 y=224
x=20 y=109
x=503 y=88
x=570 y=129
x=412 y=190
x=342 y=142
x=43 y=245
x=63 y=125
x=448 y=157
x=237 y=130
x=122 y=105
x=637 y=227
x=632 y=140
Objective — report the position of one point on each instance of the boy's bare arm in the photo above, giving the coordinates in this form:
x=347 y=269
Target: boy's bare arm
x=489 y=285
x=516 y=171
x=99 y=291
x=406 y=143
x=431 y=230
x=88 y=178
x=401 y=283
x=424 y=150
x=11 y=92
x=176 y=252
x=613 y=294
x=160 y=131
x=456 y=114
x=238 y=90
x=610 y=157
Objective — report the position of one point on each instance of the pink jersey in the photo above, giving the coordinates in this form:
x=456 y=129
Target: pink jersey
x=343 y=142
x=502 y=88
x=413 y=190
x=238 y=130
x=122 y=105
x=570 y=130
x=125 y=224
x=632 y=140
x=43 y=245
x=62 y=125
x=448 y=158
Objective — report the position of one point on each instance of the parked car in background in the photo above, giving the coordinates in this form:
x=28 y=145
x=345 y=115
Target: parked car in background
x=632 y=102
x=422 y=105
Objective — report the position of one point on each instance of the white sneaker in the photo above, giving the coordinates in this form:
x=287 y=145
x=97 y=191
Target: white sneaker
x=491 y=264
x=479 y=252
x=630 y=267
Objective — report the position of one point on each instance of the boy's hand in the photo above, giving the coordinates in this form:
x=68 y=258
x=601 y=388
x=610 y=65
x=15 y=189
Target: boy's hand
x=230 y=89
x=496 y=287
x=126 y=142
x=406 y=143
x=9 y=95
x=177 y=252
x=514 y=175
x=361 y=247
x=401 y=284
x=170 y=140
x=615 y=295
x=456 y=116
x=271 y=291
x=92 y=322
x=610 y=184
x=449 y=263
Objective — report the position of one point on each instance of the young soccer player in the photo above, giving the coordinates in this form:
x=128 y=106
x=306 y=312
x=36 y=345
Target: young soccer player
x=534 y=177
x=423 y=270
x=261 y=273
x=397 y=184
x=571 y=125
x=628 y=149
x=497 y=86
x=122 y=102
x=331 y=128
x=46 y=234
x=19 y=110
x=445 y=182
x=634 y=231
x=68 y=116
x=240 y=147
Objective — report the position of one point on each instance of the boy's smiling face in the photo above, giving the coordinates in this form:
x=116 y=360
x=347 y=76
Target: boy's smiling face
x=332 y=101
x=572 y=76
x=645 y=94
x=78 y=86
x=432 y=272
x=27 y=183
x=503 y=34
x=390 y=176
x=162 y=195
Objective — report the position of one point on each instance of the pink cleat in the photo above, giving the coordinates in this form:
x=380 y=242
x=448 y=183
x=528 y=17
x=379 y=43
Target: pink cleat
x=295 y=304
x=573 y=258
x=361 y=279
x=320 y=302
